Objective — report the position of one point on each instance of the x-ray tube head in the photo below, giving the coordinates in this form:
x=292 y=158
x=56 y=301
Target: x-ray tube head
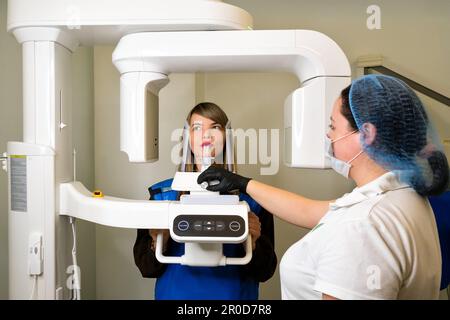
x=317 y=61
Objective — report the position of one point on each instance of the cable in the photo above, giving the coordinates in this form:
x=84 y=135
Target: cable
x=76 y=275
x=34 y=287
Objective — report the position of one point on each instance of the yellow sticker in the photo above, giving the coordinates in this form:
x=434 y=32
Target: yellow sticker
x=97 y=194
x=17 y=156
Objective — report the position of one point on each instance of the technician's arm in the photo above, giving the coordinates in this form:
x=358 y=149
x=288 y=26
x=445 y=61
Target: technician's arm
x=288 y=206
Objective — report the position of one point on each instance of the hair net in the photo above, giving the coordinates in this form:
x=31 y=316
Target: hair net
x=405 y=141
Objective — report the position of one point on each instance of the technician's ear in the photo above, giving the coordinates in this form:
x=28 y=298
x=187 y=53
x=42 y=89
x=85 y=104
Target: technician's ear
x=369 y=133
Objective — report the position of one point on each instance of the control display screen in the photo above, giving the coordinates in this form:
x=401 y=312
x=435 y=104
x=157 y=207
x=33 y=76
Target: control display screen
x=208 y=226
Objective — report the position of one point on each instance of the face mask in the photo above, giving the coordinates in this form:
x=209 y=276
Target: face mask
x=339 y=166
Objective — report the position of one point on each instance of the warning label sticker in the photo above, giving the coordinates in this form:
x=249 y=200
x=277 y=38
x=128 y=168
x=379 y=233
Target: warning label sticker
x=18 y=167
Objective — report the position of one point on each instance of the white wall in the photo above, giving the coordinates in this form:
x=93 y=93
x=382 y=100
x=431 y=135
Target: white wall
x=413 y=36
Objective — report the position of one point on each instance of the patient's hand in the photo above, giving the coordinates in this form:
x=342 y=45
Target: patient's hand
x=154 y=232
x=254 y=227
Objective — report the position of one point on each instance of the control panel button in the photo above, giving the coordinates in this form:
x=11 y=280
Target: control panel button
x=220 y=225
x=198 y=226
x=234 y=226
x=183 y=225
x=208 y=228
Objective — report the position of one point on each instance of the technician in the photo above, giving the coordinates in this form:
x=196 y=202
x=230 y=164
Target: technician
x=380 y=241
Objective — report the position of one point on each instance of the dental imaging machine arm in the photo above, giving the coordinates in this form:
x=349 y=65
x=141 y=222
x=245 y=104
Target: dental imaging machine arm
x=203 y=220
x=146 y=59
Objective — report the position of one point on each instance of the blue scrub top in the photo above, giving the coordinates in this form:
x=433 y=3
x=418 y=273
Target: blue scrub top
x=441 y=209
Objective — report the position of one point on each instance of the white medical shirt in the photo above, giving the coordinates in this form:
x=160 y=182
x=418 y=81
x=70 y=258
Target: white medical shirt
x=378 y=242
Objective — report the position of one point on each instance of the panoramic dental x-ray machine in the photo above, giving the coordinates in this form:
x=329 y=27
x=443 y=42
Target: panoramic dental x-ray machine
x=154 y=39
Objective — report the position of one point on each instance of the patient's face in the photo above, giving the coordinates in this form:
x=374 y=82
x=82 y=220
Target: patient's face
x=206 y=137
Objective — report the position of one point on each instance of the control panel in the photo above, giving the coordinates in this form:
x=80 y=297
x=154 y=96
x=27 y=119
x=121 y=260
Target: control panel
x=209 y=222
x=208 y=225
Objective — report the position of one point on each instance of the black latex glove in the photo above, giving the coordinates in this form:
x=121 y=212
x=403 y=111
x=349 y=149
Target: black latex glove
x=219 y=179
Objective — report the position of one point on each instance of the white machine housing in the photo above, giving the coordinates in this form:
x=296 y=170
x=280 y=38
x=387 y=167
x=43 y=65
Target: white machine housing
x=49 y=32
x=42 y=186
x=145 y=60
x=104 y=22
x=204 y=220
x=203 y=247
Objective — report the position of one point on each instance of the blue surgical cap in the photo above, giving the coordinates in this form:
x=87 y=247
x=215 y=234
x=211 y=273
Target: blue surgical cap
x=405 y=141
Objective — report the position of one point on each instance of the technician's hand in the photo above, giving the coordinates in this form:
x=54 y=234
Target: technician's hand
x=220 y=179
x=254 y=227
x=154 y=233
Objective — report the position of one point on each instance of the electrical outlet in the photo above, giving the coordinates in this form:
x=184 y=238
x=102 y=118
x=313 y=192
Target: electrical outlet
x=35 y=254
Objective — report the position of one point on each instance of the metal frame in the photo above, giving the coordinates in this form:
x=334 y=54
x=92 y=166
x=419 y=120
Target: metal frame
x=416 y=86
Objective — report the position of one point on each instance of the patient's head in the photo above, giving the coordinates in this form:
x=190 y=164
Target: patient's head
x=207 y=124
